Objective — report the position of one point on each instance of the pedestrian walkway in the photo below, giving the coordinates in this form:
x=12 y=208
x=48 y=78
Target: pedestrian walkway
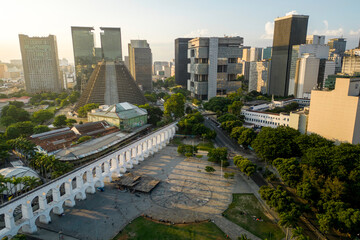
x=46 y=234
x=231 y=229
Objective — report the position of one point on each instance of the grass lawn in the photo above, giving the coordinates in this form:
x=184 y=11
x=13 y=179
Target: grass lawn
x=241 y=211
x=176 y=140
x=205 y=146
x=143 y=229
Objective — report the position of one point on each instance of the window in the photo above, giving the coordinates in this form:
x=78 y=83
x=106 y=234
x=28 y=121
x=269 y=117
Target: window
x=232 y=60
x=222 y=68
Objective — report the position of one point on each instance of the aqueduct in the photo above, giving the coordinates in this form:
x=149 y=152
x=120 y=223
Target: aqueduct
x=22 y=213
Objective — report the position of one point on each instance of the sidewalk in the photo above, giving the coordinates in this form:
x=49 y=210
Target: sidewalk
x=45 y=234
x=231 y=229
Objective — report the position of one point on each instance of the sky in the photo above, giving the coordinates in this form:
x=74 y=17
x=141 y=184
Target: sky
x=160 y=22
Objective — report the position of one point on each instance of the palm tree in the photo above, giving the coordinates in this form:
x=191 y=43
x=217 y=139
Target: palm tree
x=287 y=220
x=296 y=232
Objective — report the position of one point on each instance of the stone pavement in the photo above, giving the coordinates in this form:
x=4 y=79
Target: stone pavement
x=186 y=194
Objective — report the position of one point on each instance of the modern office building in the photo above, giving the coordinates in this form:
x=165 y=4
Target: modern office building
x=158 y=66
x=351 y=62
x=335 y=114
x=289 y=30
x=255 y=54
x=214 y=66
x=336 y=53
x=111 y=44
x=111 y=83
x=181 y=61
x=309 y=66
x=41 y=64
x=267 y=53
x=315 y=39
x=140 y=63
x=126 y=61
x=84 y=54
x=259 y=75
x=337 y=45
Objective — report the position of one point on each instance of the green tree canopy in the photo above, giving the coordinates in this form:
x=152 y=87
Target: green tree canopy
x=175 y=106
x=154 y=113
x=42 y=116
x=272 y=143
x=60 y=121
x=41 y=129
x=19 y=129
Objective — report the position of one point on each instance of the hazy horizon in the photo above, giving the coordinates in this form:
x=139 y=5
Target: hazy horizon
x=160 y=22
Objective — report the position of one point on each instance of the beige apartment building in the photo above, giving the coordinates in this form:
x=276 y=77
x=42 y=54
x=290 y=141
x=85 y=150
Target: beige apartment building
x=335 y=114
x=41 y=64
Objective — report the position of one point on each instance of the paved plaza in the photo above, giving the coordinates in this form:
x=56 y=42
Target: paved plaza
x=186 y=193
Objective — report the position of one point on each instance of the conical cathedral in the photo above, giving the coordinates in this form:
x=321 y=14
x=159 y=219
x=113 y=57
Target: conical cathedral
x=111 y=83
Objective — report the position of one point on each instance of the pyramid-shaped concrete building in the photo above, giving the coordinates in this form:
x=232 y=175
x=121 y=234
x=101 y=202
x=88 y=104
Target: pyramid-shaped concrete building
x=111 y=83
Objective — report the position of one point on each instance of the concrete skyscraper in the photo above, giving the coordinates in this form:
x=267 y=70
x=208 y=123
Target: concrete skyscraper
x=181 y=61
x=289 y=30
x=41 y=64
x=140 y=63
x=111 y=44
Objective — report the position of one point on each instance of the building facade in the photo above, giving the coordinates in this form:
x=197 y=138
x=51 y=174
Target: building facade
x=181 y=61
x=255 y=54
x=214 y=66
x=267 y=53
x=309 y=66
x=336 y=53
x=140 y=63
x=289 y=30
x=335 y=114
x=41 y=64
x=111 y=44
x=259 y=75
x=351 y=62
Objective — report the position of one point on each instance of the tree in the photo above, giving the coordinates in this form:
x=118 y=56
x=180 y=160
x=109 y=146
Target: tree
x=245 y=165
x=60 y=121
x=289 y=170
x=236 y=132
x=19 y=129
x=42 y=116
x=41 y=128
x=313 y=140
x=70 y=122
x=217 y=104
x=246 y=137
x=217 y=155
x=229 y=125
x=272 y=143
x=235 y=108
x=154 y=113
x=227 y=117
x=11 y=114
x=83 y=111
x=209 y=169
x=174 y=106
x=151 y=97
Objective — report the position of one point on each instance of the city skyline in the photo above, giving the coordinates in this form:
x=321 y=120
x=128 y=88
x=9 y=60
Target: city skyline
x=161 y=22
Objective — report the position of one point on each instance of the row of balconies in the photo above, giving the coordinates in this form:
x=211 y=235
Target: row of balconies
x=202 y=68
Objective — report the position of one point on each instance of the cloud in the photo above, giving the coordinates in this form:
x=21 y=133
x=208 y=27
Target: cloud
x=355 y=33
x=329 y=32
x=197 y=33
x=269 y=31
x=293 y=12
